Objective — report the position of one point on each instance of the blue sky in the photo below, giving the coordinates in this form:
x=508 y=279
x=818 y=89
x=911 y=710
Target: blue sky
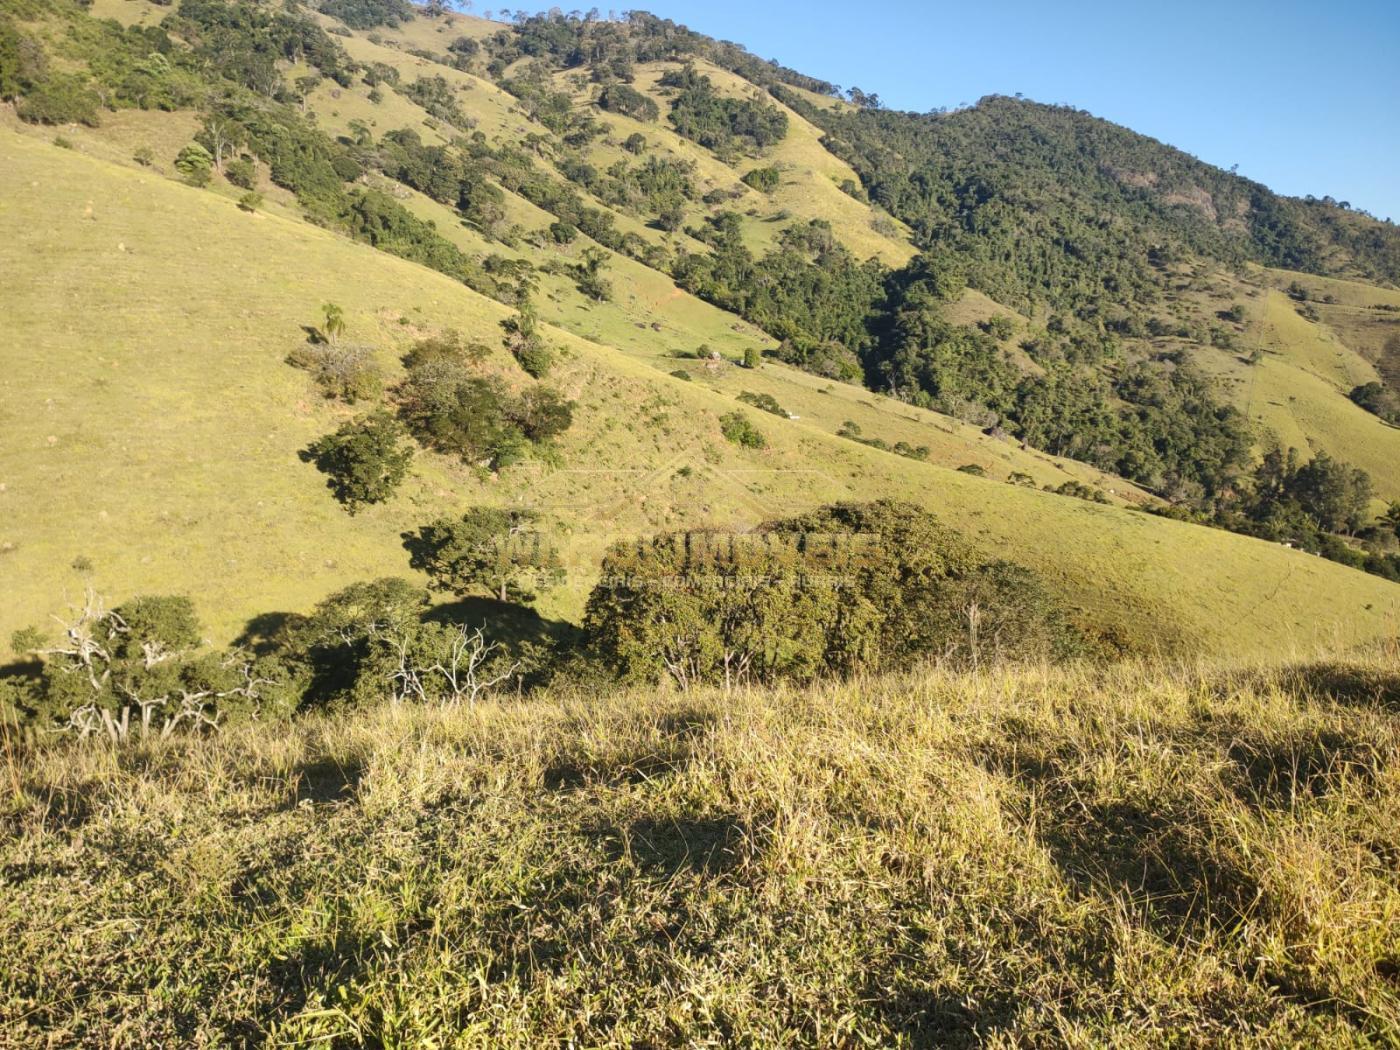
x=1304 y=97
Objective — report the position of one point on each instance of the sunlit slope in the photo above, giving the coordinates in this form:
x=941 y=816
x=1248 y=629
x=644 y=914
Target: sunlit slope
x=1363 y=317
x=152 y=428
x=647 y=312
x=1298 y=387
x=651 y=319
x=811 y=177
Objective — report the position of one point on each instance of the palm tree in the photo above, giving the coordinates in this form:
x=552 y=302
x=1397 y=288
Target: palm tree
x=334 y=325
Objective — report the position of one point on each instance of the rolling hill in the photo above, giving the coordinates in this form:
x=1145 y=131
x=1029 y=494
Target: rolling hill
x=565 y=533
x=155 y=426
x=164 y=445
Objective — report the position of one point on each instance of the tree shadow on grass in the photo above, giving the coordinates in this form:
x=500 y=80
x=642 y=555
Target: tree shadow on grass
x=1154 y=852
x=1273 y=773
x=266 y=633
x=1339 y=682
x=666 y=848
x=506 y=623
x=939 y=1020
x=22 y=667
x=327 y=780
x=1352 y=685
x=66 y=808
x=679 y=731
x=312 y=968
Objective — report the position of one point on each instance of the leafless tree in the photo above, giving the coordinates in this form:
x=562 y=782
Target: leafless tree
x=88 y=636
x=87 y=651
x=463 y=669
x=224 y=136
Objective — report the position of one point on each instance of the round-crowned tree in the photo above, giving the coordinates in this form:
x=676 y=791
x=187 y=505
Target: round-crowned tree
x=365 y=460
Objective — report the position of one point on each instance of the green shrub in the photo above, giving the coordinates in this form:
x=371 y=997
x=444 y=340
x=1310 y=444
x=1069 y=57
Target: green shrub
x=437 y=95
x=194 y=164
x=765 y=402
x=140 y=670
x=851 y=188
x=60 y=99
x=536 y=359
x=589 y=275
x=476 y=417
x=500 y=552
x=368 y=14
x=1079 y=490
x=455 y=412
x=242 y=172
x=365 y=459
x=446 y=346
x=999 y=326
x=250 y=201
x=735 y=426
x=720 y=123
x=765 y=180
x=524 y=341
x=1379 y=400
x=842 y=590
x=627 y=100
x=541 y=413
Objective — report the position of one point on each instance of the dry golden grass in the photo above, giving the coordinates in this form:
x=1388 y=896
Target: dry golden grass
x=1129 y=856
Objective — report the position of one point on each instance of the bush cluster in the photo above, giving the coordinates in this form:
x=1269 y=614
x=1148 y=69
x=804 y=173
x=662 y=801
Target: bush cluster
x=845 y=589
x=842 y=590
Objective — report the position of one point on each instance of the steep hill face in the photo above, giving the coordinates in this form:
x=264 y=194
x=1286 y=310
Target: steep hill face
x=1011 y=173
x=666 y=207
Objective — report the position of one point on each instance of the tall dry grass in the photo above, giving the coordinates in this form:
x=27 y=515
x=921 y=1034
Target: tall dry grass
x=1130 y=856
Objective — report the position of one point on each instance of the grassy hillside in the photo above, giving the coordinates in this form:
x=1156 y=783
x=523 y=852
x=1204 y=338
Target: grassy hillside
x=1298 y=388
x=1129 y=858
x=1161 y=193
x=154 y=430
x=811 y=177
x=1363 y=317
